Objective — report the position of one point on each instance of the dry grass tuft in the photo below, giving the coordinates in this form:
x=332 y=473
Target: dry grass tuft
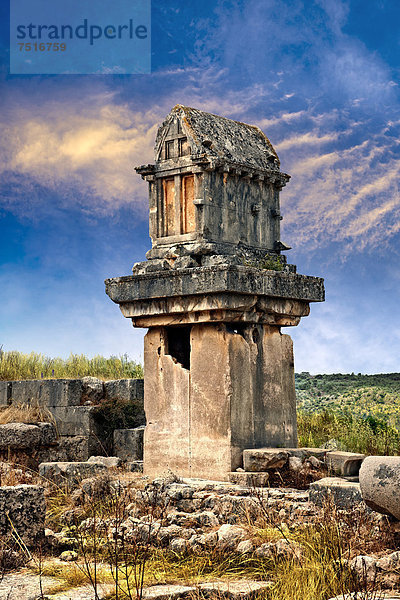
x=20 y=412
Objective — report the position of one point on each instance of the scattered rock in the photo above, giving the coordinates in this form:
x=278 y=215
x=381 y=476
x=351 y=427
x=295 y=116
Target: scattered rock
x=249 y=479
x=262 y=459
x=229 y=536
x=68 y=555
x=240 y=590
x=245 y=547
x=295 y=464
x=69 y=472
x=178 y=545
x=108 y=461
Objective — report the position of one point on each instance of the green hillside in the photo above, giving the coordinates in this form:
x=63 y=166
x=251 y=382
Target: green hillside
x=361 y=412
x=359 y=395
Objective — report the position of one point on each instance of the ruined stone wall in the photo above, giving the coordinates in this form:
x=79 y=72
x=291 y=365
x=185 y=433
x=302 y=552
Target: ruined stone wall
x=74 y=405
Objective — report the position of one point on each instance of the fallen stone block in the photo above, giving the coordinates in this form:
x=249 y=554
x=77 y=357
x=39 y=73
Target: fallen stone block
x=20 y=436
x=128 y=443
x=345 y=494
x=242 y=589
x=71 y=473
x=380 y=484
x=249 y=479
x=344 y=463
x=124 y=389
x=262 y=459
x=23 y=509
x=111 y=462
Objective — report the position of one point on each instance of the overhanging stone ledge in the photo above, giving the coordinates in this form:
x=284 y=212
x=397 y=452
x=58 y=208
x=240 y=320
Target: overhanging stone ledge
x=207 y=280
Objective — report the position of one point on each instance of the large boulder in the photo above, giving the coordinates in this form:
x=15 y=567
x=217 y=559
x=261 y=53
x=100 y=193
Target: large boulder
x=380 y=484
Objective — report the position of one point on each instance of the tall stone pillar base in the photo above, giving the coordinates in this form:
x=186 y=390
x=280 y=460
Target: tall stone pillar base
x=212 y=390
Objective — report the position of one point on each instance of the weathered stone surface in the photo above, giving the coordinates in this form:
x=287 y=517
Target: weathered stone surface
x=48 y=433
x=25 y=586
x=70 y=448
x=344 y=463
x=20 y=436
x=92 y=390
x=242 y=589
x=23 y=507
x=48 y=392
x=252 y=403
x=75 y=420
x=167 y=592
x=361 y=596
x=262 y=459
x=209 y=280
x=5 y=392
x=128 y=443
x=111 y=462
x=229 y=536
x=249 y=479
x=135 y=466
x=380 y=484
x=344 y=494
x=70 y=472
x=124 y=389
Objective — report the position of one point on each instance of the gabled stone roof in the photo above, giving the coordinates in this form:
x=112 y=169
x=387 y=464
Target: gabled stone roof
x=219 y=137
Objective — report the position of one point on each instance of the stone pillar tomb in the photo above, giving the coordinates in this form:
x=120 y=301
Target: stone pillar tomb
x=214 y=295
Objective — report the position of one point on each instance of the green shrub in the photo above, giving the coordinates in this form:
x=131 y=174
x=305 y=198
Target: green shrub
x=368 y=435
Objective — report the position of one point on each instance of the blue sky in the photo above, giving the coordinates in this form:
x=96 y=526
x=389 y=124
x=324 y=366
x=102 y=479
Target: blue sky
x=321 y=78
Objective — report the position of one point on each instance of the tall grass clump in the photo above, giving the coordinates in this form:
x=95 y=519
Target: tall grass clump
x=17 y=365
x=368 y=435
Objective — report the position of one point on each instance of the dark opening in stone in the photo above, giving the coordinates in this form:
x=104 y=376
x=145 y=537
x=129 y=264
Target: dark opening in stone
x=178 y=344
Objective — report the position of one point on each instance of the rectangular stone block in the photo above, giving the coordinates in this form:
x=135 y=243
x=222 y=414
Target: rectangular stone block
x=48 y=392
x=5 y=392
x=208 y=280
x=70 y=448
x=75 y=420
x=344 y=494
x=344 y=463
x=261 y=459
x=124 y=389
x=61 y=392
x=128 y=443
x=26 y=392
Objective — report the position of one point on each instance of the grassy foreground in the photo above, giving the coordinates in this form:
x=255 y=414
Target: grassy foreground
x=17 y=365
